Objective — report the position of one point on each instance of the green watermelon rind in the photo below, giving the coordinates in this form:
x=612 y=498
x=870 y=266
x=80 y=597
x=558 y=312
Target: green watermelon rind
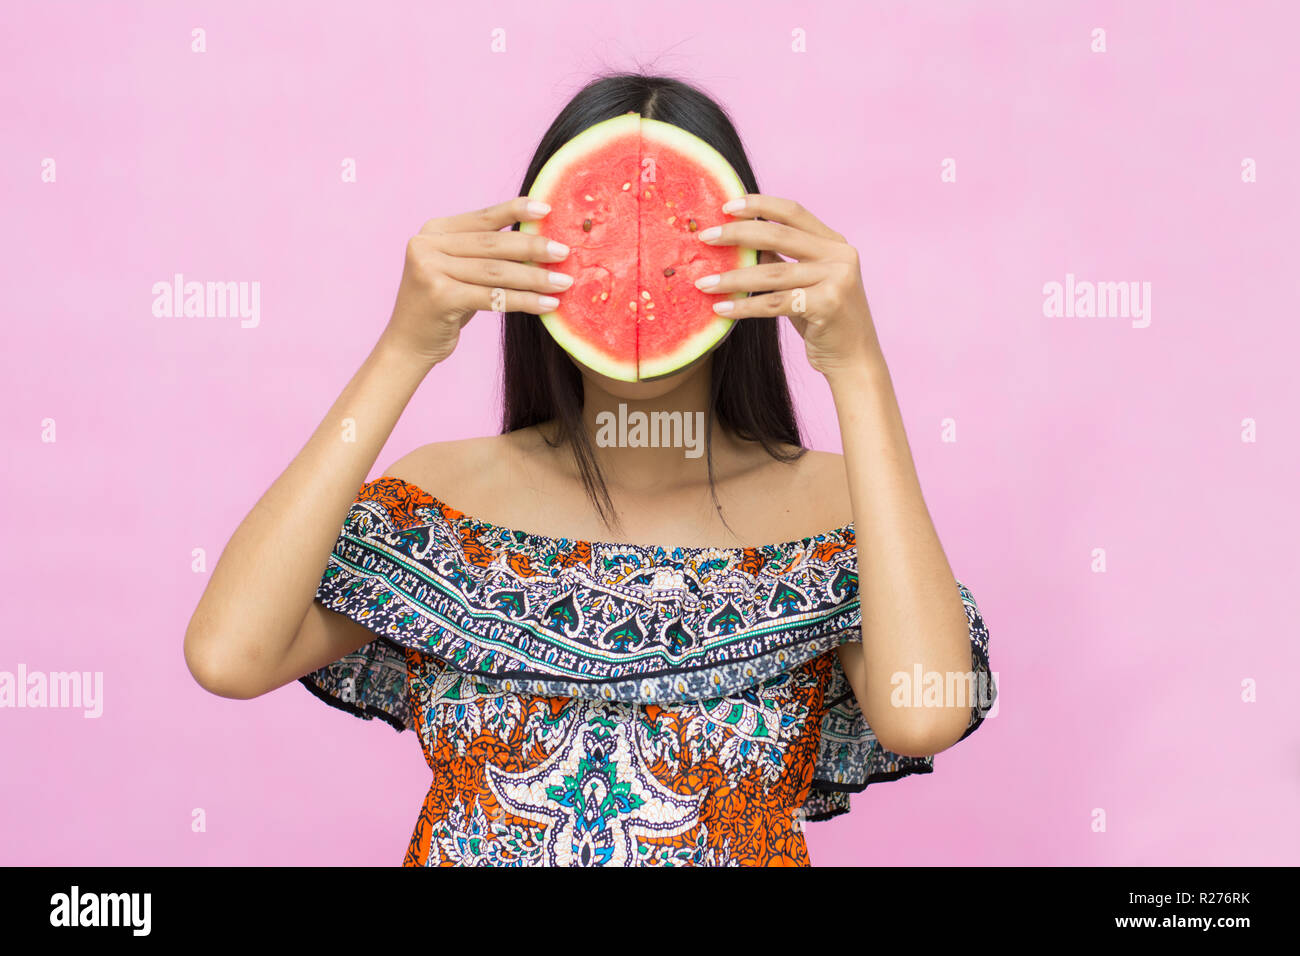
x=710 y=337
x=592 y=138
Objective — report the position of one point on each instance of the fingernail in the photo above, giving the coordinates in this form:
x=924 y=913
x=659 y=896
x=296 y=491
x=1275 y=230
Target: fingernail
x=734 y=205
x=560 y=279
x=558 y=250
x=707 y=282
x=726 y=305
x=711 y=233
x=548 y=302
x=538 y=208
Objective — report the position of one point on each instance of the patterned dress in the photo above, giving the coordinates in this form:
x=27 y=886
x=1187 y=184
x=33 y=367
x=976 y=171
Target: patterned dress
x=595 y=704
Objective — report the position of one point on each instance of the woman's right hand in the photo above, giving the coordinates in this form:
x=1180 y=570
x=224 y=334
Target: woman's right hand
x=461 y=264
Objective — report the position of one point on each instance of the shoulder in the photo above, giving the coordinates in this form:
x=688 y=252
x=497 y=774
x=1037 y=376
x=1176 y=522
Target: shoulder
x=474 y=474
x=825 y=476
x=447 y=469
x=813 y=490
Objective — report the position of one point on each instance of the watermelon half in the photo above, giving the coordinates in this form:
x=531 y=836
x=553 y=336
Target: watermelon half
x=628 y=197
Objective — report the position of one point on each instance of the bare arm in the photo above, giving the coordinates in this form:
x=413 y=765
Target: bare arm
x=257 y=626
x=241 y=639
x=912 y=612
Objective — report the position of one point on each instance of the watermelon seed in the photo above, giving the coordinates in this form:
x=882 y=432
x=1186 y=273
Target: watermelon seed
x=670 y=271
x=627 y=185
x=604 y=296
x=644 y=294
x=671 y=220
x=586 y=225
x=691 y=225
x=589 y=198
x=647 y=194
x=632 y=306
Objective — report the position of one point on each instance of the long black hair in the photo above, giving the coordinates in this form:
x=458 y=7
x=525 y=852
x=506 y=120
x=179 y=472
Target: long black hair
x=748 y=394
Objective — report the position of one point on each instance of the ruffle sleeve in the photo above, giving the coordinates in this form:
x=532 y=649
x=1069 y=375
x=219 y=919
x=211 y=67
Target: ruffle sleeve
x=850 y=758
x=373 y=681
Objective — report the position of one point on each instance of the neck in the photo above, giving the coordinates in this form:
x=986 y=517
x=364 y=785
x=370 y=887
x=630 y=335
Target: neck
x=642 y=443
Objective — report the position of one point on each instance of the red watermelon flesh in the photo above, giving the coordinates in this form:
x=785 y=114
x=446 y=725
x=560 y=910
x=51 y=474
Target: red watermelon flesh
x=629 y=197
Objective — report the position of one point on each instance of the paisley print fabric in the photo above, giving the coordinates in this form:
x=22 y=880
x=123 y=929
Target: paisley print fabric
x=589 y=703
x=523 y=780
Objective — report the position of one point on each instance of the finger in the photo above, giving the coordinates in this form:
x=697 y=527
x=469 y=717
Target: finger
x=791 y=302
x=491 y=218
x=763 y=278
x=499 y=272
x=786 y=211
x=516 y=246
x=501 y=299
x=778 y=237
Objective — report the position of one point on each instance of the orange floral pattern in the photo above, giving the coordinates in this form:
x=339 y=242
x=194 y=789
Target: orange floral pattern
x=524 y=780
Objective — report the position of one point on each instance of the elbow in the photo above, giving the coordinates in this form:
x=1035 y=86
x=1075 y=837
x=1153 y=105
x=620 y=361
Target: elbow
x=209 y=671
x=924 y=735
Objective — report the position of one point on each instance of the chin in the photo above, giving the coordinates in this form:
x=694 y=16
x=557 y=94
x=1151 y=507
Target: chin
x=641 y=391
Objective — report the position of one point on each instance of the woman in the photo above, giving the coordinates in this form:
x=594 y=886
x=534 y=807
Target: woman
x=606 y=659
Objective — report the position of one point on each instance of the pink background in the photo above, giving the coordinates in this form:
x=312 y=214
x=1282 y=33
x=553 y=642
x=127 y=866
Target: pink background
x=1119 y=690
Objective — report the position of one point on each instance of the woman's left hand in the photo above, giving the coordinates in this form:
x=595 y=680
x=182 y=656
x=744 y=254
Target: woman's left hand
x=821 y=291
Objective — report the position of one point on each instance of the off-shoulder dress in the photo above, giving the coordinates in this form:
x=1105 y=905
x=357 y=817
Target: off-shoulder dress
x=582 y=703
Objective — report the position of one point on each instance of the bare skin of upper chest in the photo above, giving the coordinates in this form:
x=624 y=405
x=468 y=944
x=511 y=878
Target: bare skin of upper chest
x=519 y=482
